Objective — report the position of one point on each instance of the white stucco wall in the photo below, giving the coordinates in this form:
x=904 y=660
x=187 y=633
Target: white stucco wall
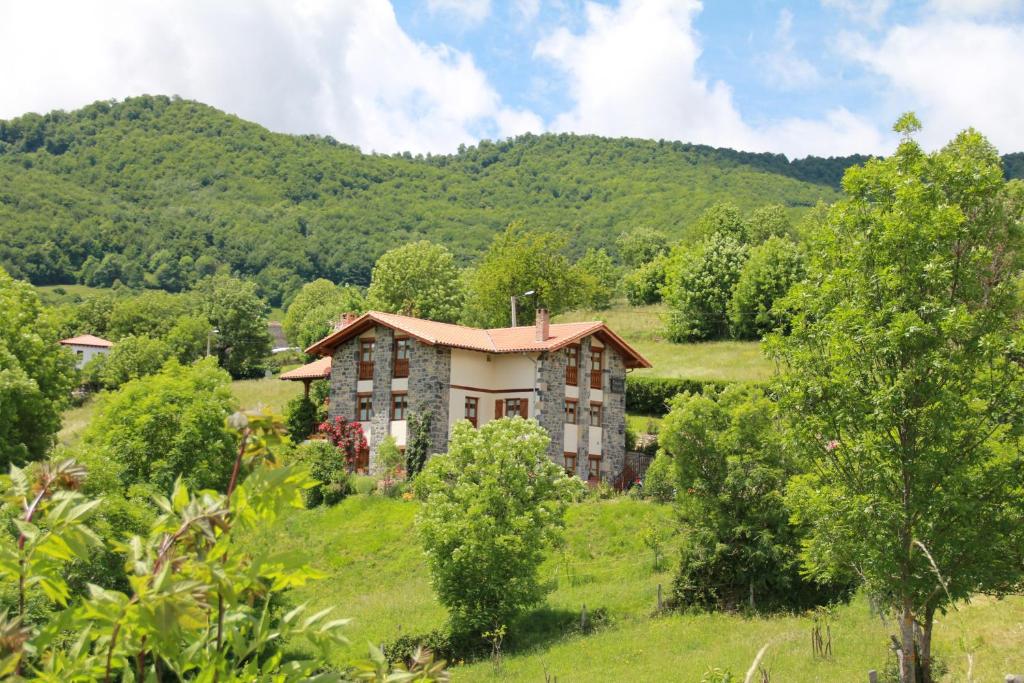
x=86 y=353
x=489 y=378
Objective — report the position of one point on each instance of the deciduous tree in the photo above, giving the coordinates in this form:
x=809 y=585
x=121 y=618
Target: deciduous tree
x=418 y=279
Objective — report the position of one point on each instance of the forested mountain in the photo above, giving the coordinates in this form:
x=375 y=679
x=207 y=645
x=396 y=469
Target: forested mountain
x=159 y=191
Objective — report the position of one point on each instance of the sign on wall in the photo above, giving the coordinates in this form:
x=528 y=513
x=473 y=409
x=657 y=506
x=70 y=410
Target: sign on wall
x=617 y=385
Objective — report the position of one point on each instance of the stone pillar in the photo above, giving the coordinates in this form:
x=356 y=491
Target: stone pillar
x=382 y=354
x=614 y=422
x=583 y=420
x=549 y=401
x=344 y=375
x=430 y=369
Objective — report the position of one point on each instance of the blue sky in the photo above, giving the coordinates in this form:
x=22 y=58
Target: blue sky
x=811 y=77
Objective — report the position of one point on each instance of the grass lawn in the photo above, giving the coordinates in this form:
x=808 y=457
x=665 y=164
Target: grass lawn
x=377 y=575
x=642 y=327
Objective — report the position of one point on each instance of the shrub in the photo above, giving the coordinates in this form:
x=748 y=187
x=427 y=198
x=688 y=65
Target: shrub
x=643 y=285
x=130 y=358
x=494 y=503
x=660 y=480
x=363 y=484
x=348 y=438
x=417 y=445
x=326 y=466
x=773 y=267
x=647 y=395
x=300 y=418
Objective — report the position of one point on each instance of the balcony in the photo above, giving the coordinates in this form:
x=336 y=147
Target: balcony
x=366 y=369
x=401 y=367
x=571 y=375
x=595 y=379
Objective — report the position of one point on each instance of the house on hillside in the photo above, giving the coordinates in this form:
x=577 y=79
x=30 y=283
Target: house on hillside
x=86 y=347
x=570 y=377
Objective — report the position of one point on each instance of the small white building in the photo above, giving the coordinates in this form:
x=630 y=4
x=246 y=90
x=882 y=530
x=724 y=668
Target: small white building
x=86 y=347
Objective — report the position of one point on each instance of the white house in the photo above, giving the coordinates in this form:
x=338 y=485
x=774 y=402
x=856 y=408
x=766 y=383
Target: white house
x=87 y=347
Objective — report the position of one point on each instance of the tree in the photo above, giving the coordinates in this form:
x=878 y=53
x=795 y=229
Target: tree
x=699 y=282
x=168 y=425
x=720 y=219
x=769 y=221
x=734 y=467
x=36 y=375
x=904 y=384
x=644 y=285
x=640 y=245
x=598 y=277
x=417 y=447
x=301 y=417
x=317 y=305
x=773 y=267
x=520 y=260
x=492 y=505
x=240 y=317
x=418 y=279
x=188 y=336
x=130 y=358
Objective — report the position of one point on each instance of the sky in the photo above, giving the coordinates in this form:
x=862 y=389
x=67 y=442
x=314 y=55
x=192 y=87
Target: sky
x=822 y=77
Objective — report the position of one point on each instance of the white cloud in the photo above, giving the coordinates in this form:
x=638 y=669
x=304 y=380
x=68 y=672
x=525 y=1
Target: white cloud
x=345 y=69
x=633 y=72
x=971 y=8
x=784 y=68
x=471 y=11
x=955 y=73
x=868 y=12
x=528 y=9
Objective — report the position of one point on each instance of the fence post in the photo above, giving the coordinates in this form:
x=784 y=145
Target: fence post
x=583 y=618
x=872 y=676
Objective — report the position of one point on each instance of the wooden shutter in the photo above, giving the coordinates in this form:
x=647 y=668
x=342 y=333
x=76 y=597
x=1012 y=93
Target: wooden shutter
x=499 y=409
x=524 y=408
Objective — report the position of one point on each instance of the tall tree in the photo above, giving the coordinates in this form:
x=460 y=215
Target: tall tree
x=640 y=245
x=767 y=275
x=239 y=317
x=36 y=375
x=905 y=386
x=699 y=282
x=418 y=279
x=315 y=307
x=598 y=277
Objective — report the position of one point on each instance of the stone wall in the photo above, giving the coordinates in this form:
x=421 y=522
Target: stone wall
x=549 y=401
x=430 y=370
x=383 y=346
x=583 y=420
x=344 y=375
x=614 y=418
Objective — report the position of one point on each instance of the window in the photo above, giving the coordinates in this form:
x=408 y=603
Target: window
x=472 y=403
x=365 y=359
x=596 y=365
x=595 y=414
x=594 y=469
x=570 y=463
x=572 y=367
x=401 y=356
x=80 y=353
x=364 y=407
x=571 y=411
x=399 y=406
x=517 y=406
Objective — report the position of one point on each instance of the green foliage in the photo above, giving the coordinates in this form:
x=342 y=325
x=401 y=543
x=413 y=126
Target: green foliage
x=240 y=317
x=644 y=284
x=317 y=305
x=769 y=221
x=660 y=480
x=699 y=282
x=188 y=337
x=389 y=458
x=301 y=416
x=598 y=279
x=732 y=464
x=36 y=375
x=721 y=219
x=167 y=426
x=417 y=444
x=520 y=260
x=640 y=245
x=650 y=395
x=130 y=358
x=418 y=279
x=327 y=467
x=773 y=267
x=493 y=504
x=903 y=385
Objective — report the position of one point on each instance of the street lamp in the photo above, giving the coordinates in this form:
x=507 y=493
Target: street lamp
x=515 y=300
x=213 y=331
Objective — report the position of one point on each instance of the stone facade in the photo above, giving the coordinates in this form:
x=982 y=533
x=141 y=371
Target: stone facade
x=614 y=417
x=549 y=399
x=583 y=419
x=344 y=375
x=430 y=369
x=380 y=426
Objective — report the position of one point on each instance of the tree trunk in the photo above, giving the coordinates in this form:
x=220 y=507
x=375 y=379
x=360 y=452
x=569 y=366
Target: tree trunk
x=908 y=671
x=926 y=644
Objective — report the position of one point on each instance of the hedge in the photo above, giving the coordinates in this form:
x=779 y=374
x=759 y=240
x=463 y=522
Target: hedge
x=647 y=395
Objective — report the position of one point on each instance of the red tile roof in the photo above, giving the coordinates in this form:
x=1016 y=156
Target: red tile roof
x=499 y=340
x=87 y=340
x=318 y=369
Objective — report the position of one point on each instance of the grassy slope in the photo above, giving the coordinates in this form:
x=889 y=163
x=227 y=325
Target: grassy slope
x=642 y=326
x=377 y=575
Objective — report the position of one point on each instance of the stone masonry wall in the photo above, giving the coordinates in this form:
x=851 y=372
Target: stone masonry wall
x=614 y=418
x=382 y=373
x=430 y=370
x=344 y=374
x=549 y=403
x=583 y=419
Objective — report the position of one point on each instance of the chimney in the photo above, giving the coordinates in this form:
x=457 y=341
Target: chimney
x=543 y=325
x=345 y=320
